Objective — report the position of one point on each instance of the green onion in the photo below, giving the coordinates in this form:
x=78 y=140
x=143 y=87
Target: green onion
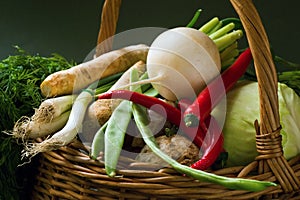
x=69 y=131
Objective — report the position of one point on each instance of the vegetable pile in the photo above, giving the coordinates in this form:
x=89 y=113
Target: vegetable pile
x=133 y=96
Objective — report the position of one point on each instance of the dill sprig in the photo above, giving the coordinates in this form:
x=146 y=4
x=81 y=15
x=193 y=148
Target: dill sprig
x=20 y=77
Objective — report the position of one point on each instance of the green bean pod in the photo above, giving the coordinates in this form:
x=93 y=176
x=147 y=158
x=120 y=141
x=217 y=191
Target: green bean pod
x=116 y=129
x=114 y=136
x=98 y=142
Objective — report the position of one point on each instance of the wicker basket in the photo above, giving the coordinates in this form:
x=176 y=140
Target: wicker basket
x=69 y=173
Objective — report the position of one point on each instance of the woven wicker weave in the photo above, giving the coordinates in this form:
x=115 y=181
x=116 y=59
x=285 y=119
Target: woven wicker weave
x=69 y=173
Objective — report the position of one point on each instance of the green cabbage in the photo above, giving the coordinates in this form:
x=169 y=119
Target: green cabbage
x=241 y=112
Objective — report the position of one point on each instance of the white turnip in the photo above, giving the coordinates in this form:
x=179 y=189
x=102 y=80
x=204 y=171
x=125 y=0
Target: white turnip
x=185 y=59
x=180 y=62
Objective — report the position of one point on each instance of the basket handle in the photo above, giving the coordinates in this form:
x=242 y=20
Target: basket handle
x=108 y=24
x=263 y=62
x=268 y=132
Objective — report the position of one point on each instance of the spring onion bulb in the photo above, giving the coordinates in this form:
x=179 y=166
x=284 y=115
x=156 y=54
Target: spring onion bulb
x=50 y=117
x=27 y=128
x=68 y=132
x=53 y=107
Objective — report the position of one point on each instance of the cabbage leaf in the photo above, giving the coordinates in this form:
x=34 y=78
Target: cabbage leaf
x=243 y=109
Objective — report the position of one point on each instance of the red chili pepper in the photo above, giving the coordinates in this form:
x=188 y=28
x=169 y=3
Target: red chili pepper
x=214 y=145
x=173 y=114
x=183 y=104
x=214 y=92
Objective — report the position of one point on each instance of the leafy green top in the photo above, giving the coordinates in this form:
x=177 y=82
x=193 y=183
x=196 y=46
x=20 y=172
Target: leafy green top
x=20 y=77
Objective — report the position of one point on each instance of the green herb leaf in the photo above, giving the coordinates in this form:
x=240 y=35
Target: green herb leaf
x=20 y=77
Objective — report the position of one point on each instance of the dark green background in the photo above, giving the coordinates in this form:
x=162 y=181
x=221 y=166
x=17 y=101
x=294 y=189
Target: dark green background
x=70 y=28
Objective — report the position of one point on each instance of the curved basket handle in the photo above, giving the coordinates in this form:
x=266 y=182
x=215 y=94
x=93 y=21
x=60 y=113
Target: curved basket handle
x=268 y=139
x=264 y=65
x=109 y=19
